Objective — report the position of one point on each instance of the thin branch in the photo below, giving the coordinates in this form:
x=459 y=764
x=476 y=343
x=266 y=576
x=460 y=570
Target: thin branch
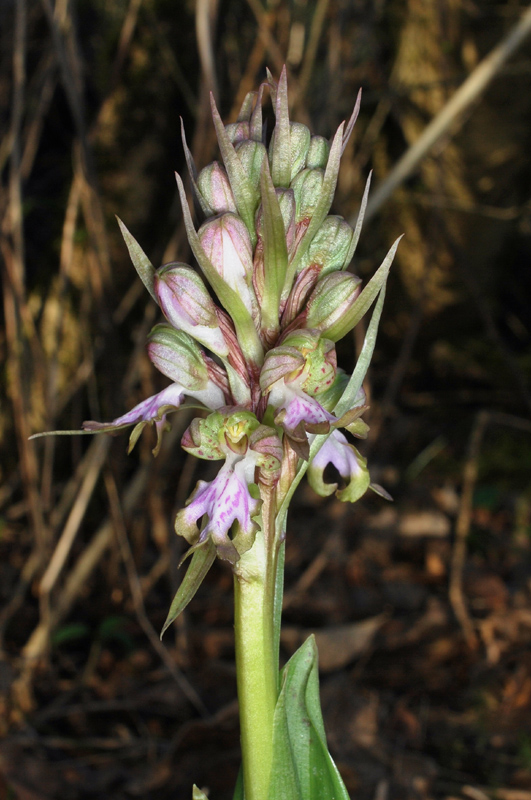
x=468 y=92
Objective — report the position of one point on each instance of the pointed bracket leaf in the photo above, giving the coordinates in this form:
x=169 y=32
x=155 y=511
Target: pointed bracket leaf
x=202 y=560
x=192 y=172
x=351 y=318
x=245 y=197
x=142 y=264
x=359 y=222
x=281 y=145
x=275 y=251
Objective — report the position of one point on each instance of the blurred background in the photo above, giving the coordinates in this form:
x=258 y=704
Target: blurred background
x=422 y=606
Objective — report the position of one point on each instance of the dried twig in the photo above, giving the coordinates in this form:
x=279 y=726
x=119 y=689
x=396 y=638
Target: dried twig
x=447 y=118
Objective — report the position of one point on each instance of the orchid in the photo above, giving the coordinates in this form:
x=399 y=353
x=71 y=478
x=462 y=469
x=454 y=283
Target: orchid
x=250 y=337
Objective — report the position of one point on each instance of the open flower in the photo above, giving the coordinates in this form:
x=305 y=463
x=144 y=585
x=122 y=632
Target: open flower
x=349 y=463
x=224 y=500
x=253 y=454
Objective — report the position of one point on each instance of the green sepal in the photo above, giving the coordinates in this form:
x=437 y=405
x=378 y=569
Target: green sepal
x=202 y=560
x=275 y=252
x=280 y=150
x=197 y=794
x=142 y=264
x=245 y=197
x=359 y=308
x=302 y=767
x=321 y=210
x=245 y=330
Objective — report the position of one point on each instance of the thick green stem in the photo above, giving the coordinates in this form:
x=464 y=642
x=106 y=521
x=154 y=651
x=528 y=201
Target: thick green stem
x=256 y=663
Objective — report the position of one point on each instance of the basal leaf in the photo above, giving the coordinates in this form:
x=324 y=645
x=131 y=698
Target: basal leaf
x=302 y=767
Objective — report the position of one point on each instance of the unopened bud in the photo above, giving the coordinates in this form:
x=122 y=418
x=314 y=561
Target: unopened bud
x=226 y=243
x=330 y=247
x=299 y=143
x=238 y=131
x=186 y=303
x=251 y=155
x=318 y=152
x=331 y=299
x=305 y=357
x=307 y=190
x=214 y=185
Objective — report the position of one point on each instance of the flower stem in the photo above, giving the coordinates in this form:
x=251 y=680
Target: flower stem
x=256 y=663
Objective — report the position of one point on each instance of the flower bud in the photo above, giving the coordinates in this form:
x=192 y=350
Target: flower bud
x=330 y=247
x=318 y=152
x=226 y=243
x=298 y=147
x=333 y=296
x=238 y=131
x=300 y=139
x=214 y=185
x=303 y=357
x=251 y=155
x=307 y=190
x=178 y=357
x=186 y=303
x=201 y=438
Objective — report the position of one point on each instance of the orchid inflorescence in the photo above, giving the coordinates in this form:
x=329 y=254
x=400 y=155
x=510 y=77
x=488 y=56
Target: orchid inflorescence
x=261 y=356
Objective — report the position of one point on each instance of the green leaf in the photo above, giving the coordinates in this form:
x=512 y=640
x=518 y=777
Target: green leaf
x=302 y=766
x=142 y=264
x=245 y=197
x=197 y=794
x=275 y=252
x=201 y=562
x=245 y=330
x=358 y=310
